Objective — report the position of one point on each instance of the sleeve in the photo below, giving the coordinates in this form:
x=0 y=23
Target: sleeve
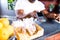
x=41 y=6
x=18 y=5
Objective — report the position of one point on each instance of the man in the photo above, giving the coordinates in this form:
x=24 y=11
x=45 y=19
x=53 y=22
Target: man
x=29 y=8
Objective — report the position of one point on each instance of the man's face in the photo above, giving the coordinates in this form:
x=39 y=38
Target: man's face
x=31 y=1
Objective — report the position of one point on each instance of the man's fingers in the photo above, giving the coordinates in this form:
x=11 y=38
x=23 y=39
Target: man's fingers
x=58 y=18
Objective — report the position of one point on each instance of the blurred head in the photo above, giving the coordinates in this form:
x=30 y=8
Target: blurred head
x=32 y=1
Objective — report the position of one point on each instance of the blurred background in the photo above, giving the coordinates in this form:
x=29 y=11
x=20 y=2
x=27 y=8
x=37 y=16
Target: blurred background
x=7 y=6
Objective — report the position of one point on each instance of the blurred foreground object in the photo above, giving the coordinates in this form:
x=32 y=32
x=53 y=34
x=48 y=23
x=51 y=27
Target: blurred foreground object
x=27 y=29
x=58 y=17
x=54 y=37
x=21 y=35
x=6 y=30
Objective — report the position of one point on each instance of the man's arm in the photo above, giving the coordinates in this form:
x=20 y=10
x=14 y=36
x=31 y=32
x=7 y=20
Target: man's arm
x=21 y=14
x=49 y=15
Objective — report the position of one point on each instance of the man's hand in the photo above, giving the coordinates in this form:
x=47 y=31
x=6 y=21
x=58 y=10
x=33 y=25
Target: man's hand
x=58 y=18
x=51 y=15
x=33 y=14
x=20 y=12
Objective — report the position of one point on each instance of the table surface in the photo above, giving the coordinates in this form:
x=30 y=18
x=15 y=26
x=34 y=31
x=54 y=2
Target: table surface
x=49 y=28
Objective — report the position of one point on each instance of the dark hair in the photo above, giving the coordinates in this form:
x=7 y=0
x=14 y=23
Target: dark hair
x=58 y=1
x=56 y=6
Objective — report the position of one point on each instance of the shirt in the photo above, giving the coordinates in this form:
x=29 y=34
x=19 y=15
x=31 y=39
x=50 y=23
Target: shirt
x=29 y=7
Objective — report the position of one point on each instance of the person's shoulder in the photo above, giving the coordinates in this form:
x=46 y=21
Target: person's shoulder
x=20 y=1
x=39 y=2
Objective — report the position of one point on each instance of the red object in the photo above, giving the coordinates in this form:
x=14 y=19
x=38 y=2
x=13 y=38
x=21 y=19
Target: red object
x=54 y=37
